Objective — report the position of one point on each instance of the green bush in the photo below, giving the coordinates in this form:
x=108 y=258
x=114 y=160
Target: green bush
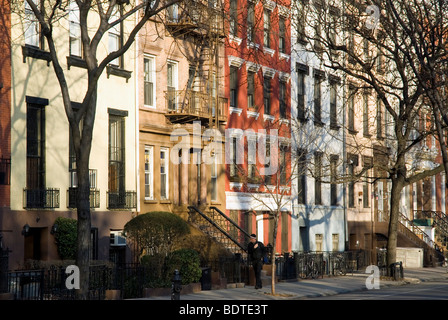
x=157 y=231
x=65 y=237
x=160 y=268
x=187 y=262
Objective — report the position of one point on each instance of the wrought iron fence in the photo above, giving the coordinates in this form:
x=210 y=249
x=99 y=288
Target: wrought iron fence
x=50 y=283
x=306 y=265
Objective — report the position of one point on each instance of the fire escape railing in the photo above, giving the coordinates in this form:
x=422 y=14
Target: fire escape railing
x=223 y=224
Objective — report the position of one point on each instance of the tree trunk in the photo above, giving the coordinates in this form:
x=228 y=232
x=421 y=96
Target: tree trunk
x=394 y=216
x=83 y=198
x=84 y=226
x=274 y=243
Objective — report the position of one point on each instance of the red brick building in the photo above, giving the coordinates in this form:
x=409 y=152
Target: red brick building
x=257 y=81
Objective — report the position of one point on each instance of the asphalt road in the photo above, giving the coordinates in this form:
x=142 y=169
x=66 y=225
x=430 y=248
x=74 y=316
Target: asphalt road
x=434 y=290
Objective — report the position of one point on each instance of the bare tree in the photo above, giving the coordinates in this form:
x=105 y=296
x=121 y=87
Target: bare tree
x=373 y=51
x=95 y=19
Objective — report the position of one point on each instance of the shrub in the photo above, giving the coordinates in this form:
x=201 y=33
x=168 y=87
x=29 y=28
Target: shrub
x=156 y=231
x=65 y=237
x=187 y=262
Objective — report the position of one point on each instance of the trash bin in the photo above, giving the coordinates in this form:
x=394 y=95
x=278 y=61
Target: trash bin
x=396 y=270
x=206 y=279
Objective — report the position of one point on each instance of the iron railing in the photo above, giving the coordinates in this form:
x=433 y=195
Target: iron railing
x=41 y=198
x=311 y=265
x=122 y=200
x=94 y=198
x=194 y=103
x=220 y=227
x=50 y=284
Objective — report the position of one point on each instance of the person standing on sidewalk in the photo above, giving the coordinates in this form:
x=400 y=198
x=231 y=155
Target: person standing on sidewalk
x=257 y=252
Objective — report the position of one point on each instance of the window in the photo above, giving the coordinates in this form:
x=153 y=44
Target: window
x=251 y=160
x=379 y=119
x=300 y=23
x=75 y=30
x=214 y=181
x=233 y=86
x=333 y=106
x=351 y=109
x=317 y=178
x=301 y=95
x=267 y=95
x=35 y=153
x=267 y=177
x=117 y=169
x=365 y=115
x=164 y=158
x=319 y=241
x=250 y=21
x=32 y=27
x=366 y=183
x=115 y=37
x=334 y=176
x=352 y=163
x=172 y=85
x=233 y=17
x=282 y=99
x=149 y=81
x=267 y=28
x=335 y=241
x=317 y=100
x=94 y=243
x=283 y=164
x=173 y=13
x=5 y=171
x=250 y=89
x=301 y=176
x=351 y=47
x=149 y=173
x=233 y=157
x=282 y=35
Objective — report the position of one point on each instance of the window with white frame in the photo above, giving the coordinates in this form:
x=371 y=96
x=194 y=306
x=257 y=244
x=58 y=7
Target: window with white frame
x=32 y=28
x=74 y=30
x=267 y=28
x=115 y=36
x=149 y=81
x=149 y=173
x=171 y=84
x=164 y=158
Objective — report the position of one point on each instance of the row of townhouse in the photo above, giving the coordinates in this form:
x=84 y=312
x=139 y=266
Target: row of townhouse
x=192 y=74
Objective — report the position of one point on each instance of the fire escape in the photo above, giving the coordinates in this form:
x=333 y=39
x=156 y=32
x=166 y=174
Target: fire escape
x=203 y=25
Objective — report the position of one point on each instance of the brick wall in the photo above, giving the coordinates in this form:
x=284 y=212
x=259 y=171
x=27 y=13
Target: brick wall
x=5 y=92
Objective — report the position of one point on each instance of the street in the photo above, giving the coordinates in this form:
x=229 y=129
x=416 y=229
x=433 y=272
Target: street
x=431 y=290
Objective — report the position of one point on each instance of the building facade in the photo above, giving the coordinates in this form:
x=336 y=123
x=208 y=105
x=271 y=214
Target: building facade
x=181 y=105
x=318 y=136
x=258 y=86
x=43 y=171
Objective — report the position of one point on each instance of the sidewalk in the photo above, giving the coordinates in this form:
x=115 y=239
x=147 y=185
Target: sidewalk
x=311 y=288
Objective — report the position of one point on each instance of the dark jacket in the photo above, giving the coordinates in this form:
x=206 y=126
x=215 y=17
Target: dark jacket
x=258 y=253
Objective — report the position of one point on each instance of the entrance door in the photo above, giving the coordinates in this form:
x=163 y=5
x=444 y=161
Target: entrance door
x=32 y=248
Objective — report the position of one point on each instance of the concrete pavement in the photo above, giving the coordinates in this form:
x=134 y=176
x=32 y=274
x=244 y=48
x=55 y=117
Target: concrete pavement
x=326 y=286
